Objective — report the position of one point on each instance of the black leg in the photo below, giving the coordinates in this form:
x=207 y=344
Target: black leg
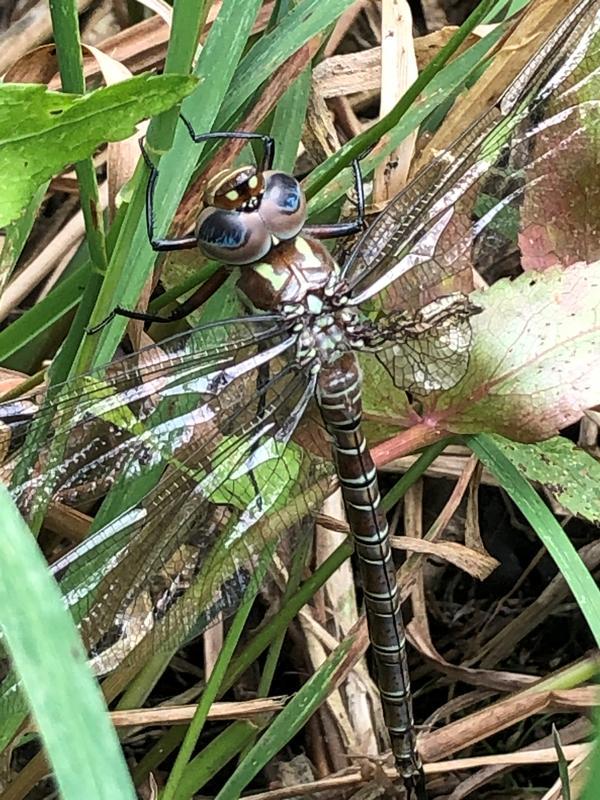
x=353 y=226
x=160 y=245
x=268 y=142
x=194 y=301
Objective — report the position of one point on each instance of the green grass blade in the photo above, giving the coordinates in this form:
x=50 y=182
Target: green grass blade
x=307 y=19
x=288 y=723
x=288 y=119
x=563 y=765
x=396 y=118
x=43 y=315
x=572 y=568
x=215 y=756
x=413 y=473
x=65 y=27
x=188 y=20
x=67 y=704
x=592 y=787
x=216 y=678
x=280 y=621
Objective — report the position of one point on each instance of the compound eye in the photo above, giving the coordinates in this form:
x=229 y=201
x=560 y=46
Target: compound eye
x=283 y=205
x=231 y=236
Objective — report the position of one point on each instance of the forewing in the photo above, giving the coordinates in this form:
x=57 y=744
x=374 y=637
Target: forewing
x=486 y=196
x=188 y=446
x=88 y=428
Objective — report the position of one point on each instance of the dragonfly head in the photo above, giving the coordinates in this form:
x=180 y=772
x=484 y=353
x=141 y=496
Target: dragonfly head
x=247 y=212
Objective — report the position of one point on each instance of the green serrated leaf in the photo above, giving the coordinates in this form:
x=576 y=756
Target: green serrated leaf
x=17 y=235
x=42 y=131
x=570 y=474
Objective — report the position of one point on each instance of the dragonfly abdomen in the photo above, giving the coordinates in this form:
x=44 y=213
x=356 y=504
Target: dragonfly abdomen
x=339 y=397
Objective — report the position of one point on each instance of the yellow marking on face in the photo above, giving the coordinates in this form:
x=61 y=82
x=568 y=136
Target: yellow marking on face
x=253 y=182
x=275 y=240
x=232 y=195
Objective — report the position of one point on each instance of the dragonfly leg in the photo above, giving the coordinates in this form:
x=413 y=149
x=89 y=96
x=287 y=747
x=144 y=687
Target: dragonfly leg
x=338 y=230
x=160 y=245
x=194 y=301
x=415 y=787
x=268 y=142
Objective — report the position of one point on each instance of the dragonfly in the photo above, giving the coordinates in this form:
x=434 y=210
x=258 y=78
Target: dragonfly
x=229 y=436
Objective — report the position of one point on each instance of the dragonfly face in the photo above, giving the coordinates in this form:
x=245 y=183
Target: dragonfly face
x=247 y=212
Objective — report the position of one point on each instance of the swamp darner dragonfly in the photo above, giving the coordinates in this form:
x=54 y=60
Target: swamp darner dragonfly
x=212 y=432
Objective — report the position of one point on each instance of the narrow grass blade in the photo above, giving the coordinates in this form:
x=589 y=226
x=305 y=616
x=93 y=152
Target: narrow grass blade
x=67 y=704
x=574 y=571
x=287 y=724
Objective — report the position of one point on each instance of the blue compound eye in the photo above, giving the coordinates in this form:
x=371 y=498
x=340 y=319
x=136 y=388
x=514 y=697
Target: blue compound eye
x=233 y=237
x=283 y=206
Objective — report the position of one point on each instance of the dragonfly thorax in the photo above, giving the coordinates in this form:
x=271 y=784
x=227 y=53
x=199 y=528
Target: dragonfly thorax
x=323 y=338
x=301 y=281
x=246 y=213
x=297 y=278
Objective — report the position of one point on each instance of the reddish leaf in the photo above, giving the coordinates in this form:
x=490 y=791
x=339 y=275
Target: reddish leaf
x=535 y=363
x=561 y=207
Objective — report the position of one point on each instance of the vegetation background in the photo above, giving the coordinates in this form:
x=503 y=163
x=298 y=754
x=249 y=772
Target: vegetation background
x=505 y=637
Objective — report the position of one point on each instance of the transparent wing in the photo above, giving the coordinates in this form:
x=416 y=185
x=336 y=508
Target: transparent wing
x=205 y=358
x=425 y=351
x=501 y=187
x=185 y=450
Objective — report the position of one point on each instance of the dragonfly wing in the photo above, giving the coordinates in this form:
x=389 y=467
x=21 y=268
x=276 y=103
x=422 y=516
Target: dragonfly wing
x=191 y=544
x=189 y=447
x=429 y=351
x=97 y=424
x=481 y=199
